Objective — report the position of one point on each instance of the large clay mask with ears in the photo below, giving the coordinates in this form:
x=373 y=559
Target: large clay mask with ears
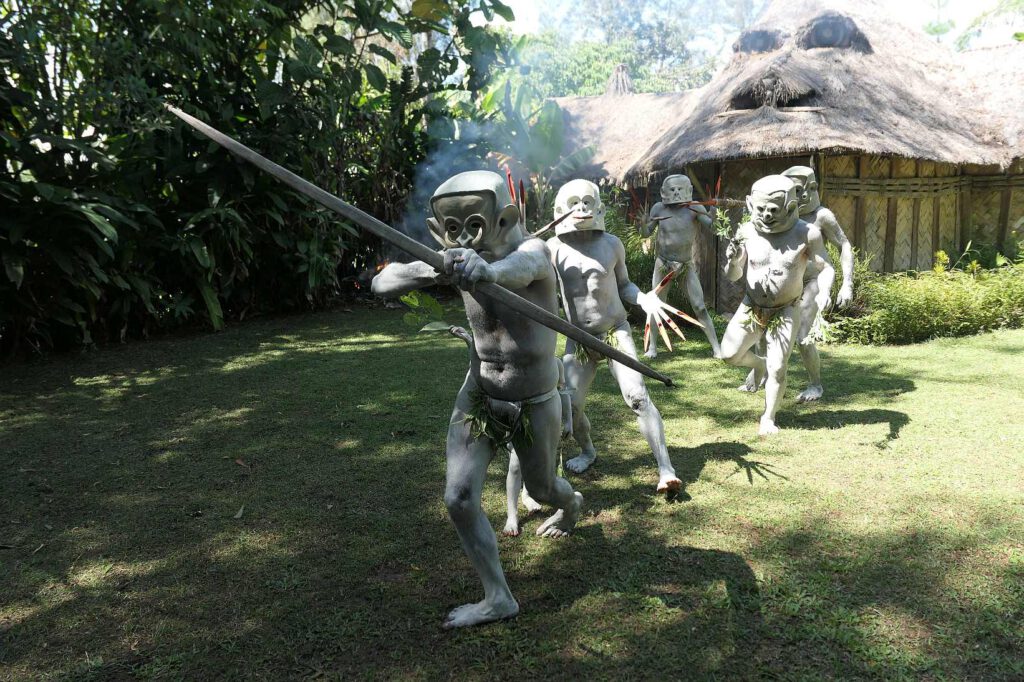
x=676 y=189
x=773 y=204
x=806 y=187
x=473 y=211
x=582 y=198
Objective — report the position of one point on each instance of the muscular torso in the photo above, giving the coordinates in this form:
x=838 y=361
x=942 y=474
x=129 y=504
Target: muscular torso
x=674 y=239
x=776 y=264
x=585 y=263
x=515 y=356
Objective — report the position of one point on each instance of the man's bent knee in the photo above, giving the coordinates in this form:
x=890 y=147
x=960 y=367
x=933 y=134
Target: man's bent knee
x=459 y=500
x=638 y=400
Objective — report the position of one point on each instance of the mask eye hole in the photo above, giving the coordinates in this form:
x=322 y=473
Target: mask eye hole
x=833 y=30
x=757 y=41
x=452 y=226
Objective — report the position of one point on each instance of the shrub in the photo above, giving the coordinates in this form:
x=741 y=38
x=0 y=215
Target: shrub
x=119 y=221
x=917 y=306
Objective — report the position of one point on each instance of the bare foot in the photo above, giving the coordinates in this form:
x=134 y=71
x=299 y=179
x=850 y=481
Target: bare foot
x=768 y=427
x=753 y=383
x=562 y=521
x=581 y=462
x=651 y=354
x=511 y=528
x=480 y=612
x=532 y=505
x=811 y=393
x=669 y=484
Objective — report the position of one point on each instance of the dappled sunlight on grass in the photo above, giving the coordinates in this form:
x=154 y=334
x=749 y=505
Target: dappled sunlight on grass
x=266 y=502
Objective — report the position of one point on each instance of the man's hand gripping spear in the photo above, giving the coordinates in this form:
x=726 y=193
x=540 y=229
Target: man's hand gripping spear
x=414 y=248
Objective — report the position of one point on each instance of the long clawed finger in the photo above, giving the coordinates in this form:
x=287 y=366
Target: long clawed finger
x=674 y=327
x=647 y=334
x=658 y=316
x=680 y=314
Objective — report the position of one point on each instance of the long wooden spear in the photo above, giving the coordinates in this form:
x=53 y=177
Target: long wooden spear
x=416 y=249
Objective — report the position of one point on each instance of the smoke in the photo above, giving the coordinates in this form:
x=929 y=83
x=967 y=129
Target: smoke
x=465 y=150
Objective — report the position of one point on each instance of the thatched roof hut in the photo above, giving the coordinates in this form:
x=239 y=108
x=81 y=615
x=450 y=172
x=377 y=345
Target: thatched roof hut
x=917 y=147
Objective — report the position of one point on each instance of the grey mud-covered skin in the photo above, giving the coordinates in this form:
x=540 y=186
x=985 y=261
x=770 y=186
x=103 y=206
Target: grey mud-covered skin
x=813 y=212
x=675 y=223
x=591 y=267
x=771 y=254
x=512 y=367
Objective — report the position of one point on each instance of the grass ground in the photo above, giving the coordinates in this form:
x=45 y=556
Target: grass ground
x=266 y=502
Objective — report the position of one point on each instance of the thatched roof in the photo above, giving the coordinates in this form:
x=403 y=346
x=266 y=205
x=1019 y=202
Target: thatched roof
x=619 y=127
x=994 y=84
x=881 y=88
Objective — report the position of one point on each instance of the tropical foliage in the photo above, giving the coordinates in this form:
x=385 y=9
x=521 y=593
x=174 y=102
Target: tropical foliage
x=118 y=222
x=952 y=299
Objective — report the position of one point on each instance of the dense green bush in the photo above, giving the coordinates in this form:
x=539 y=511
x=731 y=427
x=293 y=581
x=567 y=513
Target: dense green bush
x=917 y=306
x=118 y=221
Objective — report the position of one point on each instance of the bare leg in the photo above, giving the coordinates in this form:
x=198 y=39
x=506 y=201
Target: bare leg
x=513 y=489
x=648 y=418
x=696 y=295
x=537 y=455
x=467 y=460
x=579 y=377
x=739 y=339
x=780 y=345
x=660 y=270
x=754 y=383
x=808 y=349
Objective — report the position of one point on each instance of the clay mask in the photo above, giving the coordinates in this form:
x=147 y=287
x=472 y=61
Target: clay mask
x=473 y=210
x=676 y=189
x=583 y=198
x=773 y=204
x=807 y=187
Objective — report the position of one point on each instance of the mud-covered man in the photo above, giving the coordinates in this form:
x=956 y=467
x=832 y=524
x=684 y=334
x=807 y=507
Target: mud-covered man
x=813 y=212
x=676 y=219
x=510 y=396
x=771 y=253
x=591 y=267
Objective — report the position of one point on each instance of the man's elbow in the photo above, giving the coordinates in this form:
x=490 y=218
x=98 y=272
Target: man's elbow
x=385 y=287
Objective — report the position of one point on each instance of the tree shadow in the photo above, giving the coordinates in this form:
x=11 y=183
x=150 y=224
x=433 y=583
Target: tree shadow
x=690 y=462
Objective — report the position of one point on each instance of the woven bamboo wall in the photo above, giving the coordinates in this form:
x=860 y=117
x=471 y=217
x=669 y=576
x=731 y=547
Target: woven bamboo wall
x=842 y=205
x=927 y=221
x=996 y=208
x=876 y=212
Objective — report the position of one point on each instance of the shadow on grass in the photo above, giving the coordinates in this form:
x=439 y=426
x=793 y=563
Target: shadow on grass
x=267 y=503
x=837 y=419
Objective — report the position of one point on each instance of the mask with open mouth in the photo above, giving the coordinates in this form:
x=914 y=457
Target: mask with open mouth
x=583 y=198
x=773 y=204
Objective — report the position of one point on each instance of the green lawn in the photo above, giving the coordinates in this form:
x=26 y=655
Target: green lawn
x=266 y=502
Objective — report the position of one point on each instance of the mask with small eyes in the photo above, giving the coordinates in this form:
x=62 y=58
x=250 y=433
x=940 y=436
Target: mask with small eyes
x=474 y=210
x=583 y=198
x=806 y=187
x=676 y=189
x=773 y=204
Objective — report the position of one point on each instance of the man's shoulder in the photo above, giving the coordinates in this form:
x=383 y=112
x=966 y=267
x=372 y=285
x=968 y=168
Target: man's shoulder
x=533 y=245
x=658 y=209
x=811 y=231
